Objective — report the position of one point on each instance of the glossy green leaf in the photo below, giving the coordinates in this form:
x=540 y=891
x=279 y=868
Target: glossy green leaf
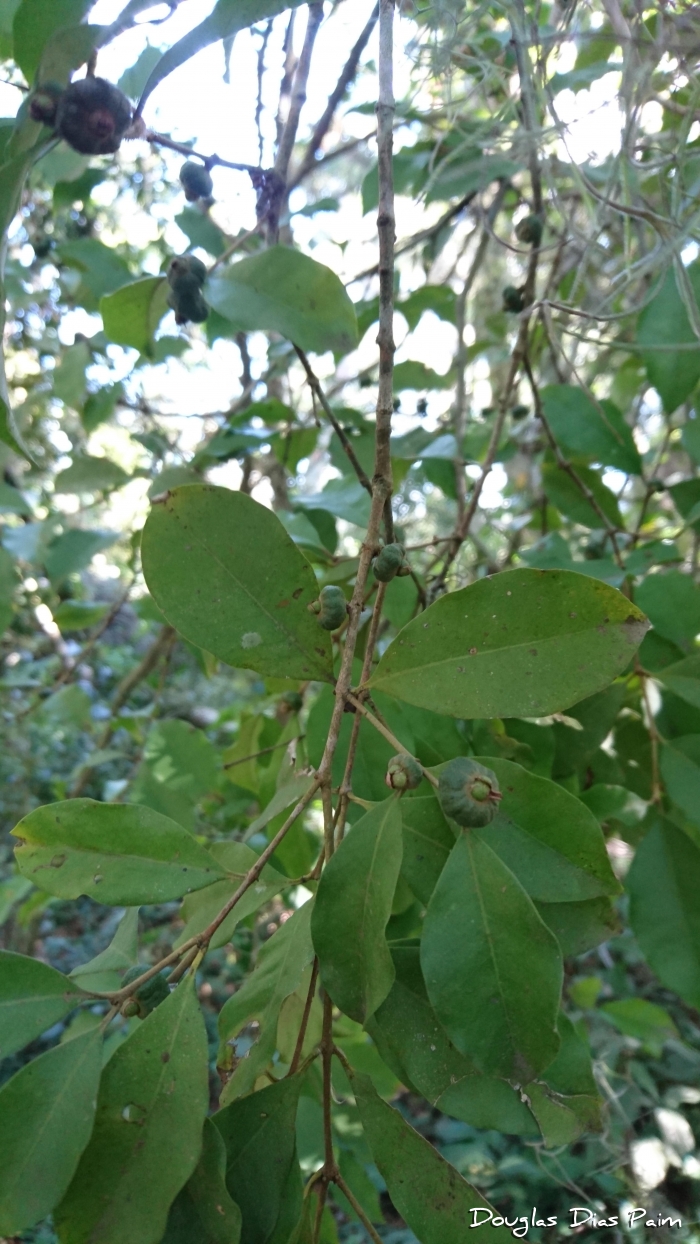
x=284 y=291
x=672 y=602
x=566 y=495
x=588 y=430
x=226 y=19
x=492 y=968
x=663 y=325
x=199 y=909
x=179 y=766
x=427 y=842
x=352 y=909
x=116 y=853
x=131 y=314
x=432 y=1198
x=204 y=1213
x=580 y=926
x=520 y=644
x=223 y=570
x=33 y=997
x=413 y=1042
x=105 y=971
x=46 y=1117
x=277 y=974
x=259 y=1135
x=90 y=475
x=548 y=838
x=147 y=1138
x=663 y=884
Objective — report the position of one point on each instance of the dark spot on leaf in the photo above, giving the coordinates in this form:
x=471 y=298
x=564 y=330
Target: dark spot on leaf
x=282 y=604
x=165 y=1057
x=297 y=593
x=58 y=861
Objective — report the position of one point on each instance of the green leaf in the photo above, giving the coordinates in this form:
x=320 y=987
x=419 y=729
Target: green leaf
x=680 y=770
x=199 y=909
x=591 y=431
x=201 y=231
x=34 y=23
x=76 y=615
x=520 y=644
x=432 y=1198
x=639 y=1018
x=663 y=884
x=227 y=18
x=344 y=498
x=665 y=323
x=565 y=494
x=116 y=853
x=74 y=550
x=33 y=997
x=683 y=679
x=88 y=474
x=427 y=842
x=672 y=602
x=69 y=383
x=614 y=803
x=283 y=291
x=131 y=314
x=105 y=971
x=440 y=299
x=223 y=570
x=548 y=838
x=8 y=432
x=204 y=1213
x=260 y=1139
x=179 y=766
x=67 y=49
x=101 y=270
x=46 y=1117
x=352 y=910
x=147 y=1138
x=414 y=1044
x=568 y=1103
x=7 y=587
x=414 y=375
x=279 y=969
x=580 y=926
x=492 y=968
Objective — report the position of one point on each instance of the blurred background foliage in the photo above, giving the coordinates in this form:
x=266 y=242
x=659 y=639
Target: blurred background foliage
x=594 y=467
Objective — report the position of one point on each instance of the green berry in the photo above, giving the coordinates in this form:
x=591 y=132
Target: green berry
x=388 y=562
x=469 y=792
x=196 y=181
x=148 y=997
x=529 y=230
x=403 y=772
x=331 y=607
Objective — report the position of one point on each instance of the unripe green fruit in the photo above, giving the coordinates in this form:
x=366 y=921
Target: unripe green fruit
x=403 y=772
x=529 y=230
x=469 y=792
x=513 y=299
x=184 y=267
x=331 y=608
x=148 y=997
x=388 y=562
x=196 y=181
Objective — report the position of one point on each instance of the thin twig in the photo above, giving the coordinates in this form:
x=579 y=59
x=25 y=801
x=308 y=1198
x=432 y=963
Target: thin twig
x=265 y=751
x=388 y=734
x=346 y=1191
x=296 y=1057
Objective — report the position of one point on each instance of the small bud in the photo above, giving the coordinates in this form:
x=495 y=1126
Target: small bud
x=403 y=772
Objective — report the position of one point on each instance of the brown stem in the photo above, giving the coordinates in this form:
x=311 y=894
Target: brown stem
x=390 y=738
x=329 y=1165
x=296 y=1057
x=345 y=785
x=346 y=1191
x=317 y=390
x=298 y=99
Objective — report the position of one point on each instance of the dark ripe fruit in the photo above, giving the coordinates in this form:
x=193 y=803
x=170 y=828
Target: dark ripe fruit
x=186 y=275
x=43 y=104
x=403 y=772
x=388 y=562
x=520 y=412
x=196 y=181
x=331 y=607
x=513 y=299
x=469 y=793
x=93 y=116
x=148 y=997
x=529 y=230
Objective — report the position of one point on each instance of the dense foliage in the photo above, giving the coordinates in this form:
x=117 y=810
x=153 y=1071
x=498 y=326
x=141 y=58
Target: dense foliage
x=351 y=733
